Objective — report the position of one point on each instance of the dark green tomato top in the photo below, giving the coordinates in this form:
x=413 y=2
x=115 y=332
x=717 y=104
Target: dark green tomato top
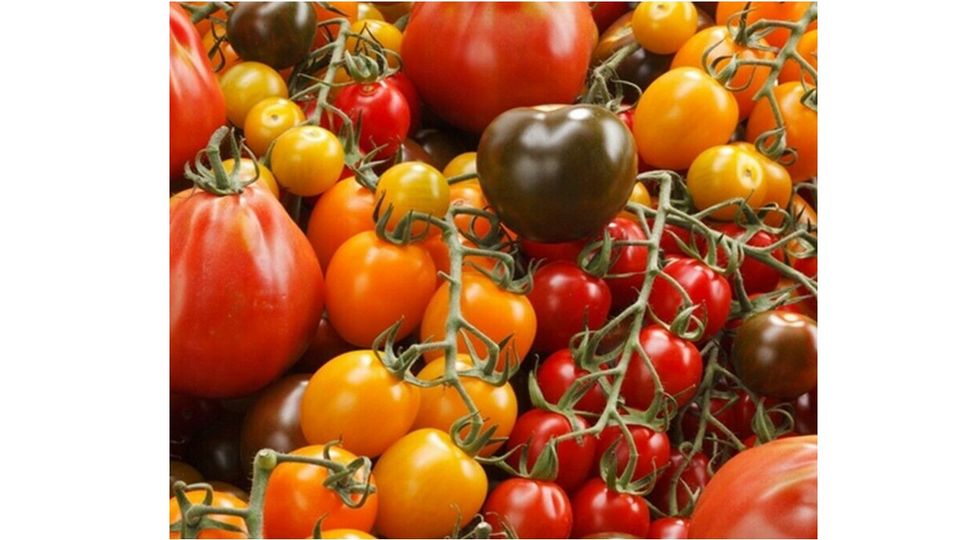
x=557 y=174
x=278 y=34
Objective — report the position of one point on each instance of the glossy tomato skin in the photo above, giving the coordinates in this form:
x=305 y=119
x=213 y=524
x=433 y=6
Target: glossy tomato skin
x=384 y=111
x=769 y=491
x=563 y=251
x=557 y=174
x=400 y=82
x=557 y=40
x=196 y=102
x=705 y=288
x=669 y=527
x=775 y=354
x=597 y=509
x=531 y=508
x=558 y=372
x=278 y=34
x=653 y=449
x=221 y=292
x=676 y=361
x=273 y=421
x=566 y=299
x=296 y=498
x=605 y=13
x=629 y=262
x=536 y=427
x=800 y=123
x=342 y=211
x=758 y=277
x=805 y=413
x=695 y=476
x=426 y=486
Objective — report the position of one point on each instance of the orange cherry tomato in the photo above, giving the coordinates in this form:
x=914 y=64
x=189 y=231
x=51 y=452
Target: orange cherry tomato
x=639 y=195
x=662 y=27
x=350 y=9
x=727 y=12
x=220 y=500
x=801 y=125
x=413 y=186
x=388 y=35
x=467 y=193
x=342 y=212
x=223 y=57
x=437 y=247
x=807 y=48
x=779 y=184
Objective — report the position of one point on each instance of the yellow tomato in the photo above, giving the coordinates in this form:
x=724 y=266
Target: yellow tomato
x=307 y=160
x=268 y=120
x=725 y=172
x=662 y=27
x=413 y=186
x=246 y=84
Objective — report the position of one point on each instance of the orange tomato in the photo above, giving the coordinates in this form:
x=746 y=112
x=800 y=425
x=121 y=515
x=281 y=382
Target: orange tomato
x=800 y=123
x=350 y=9
x=437 y=248
x=783 y=11
x=662 y=27
x=224 y=57
x=342 y=212
x=639 y=195
x=726 y=172
x=779 y=184
x=389 y=36
x=347 y=534
x=807 y=48
x=468 y=194
x=220 y=500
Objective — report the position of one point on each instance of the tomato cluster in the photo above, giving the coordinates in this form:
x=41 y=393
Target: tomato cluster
x=541 y=270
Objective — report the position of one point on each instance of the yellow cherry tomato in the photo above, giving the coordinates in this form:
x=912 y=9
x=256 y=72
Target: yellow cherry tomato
x=465 y=163
x=307 y=160
x=726 y=172
x=663 y=27
x=413 y=186
x=246 y=84
x=268 y=120
x=389 y=36
x=639 y=195
x=779 y=184
x=366 y=11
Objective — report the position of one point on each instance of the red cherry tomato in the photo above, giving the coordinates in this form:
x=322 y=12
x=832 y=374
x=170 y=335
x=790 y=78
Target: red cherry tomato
x=531 y=508
x=563 y=251
x=669 y=527
x=694 y=477
x=676 y=361
x=401 y=82
x=705 y=288
x=758 y=277
x=558 y=372
x=597 y=509
x=653 y=449
x=566 y=299
x=536 y=427
x=626 y=260
x=384 y=112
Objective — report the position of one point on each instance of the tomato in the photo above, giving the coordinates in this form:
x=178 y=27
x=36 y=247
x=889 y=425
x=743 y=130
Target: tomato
x=669 y=527
x=222 y=56
x=778 y=181
x=196 y=101
x=440 y=146
x=746 y=82
x=557 y=174
x=349 y=392
x=805 y=413
x=413 y=187
x=671 y=238
x=629 y=262
x=342 y=211
x=558 y=372
x=725 y=172
x=440 y=254
x=707 y=289
x=530 y=508
x=189 y=415
x=653 y=449
x=427 y=486
x=442 y=406
x=807 y=49
x=183 y=472
x=562 y=251
x=758 y=277
x=268 y=120
x=387 y=35
x=733 y=411
x=215 y=451
x=639 y=195
x=729 y=12
x=663 y=27
x=775 y=354
x=693 y=478
x=296 y=497
x=566 y=300
x=536 y=428
x=363 y=273
x=235 y=261
x=800 y=123
x=676 y=361
x=605 y=13
x=382 y=111
x=307 y=160
x=326 y=344
x=278 y=34
x=246 y=84
x=367 y=11
x=350 y=10
x=680 y=115
x=556 y=41
x=598 y=509
x=273 y=421
x=219 y=500
x=765 y=492
x=405 y=86
x=348 y=534
x=467 y=193
x=495 y=312
x=248 y=170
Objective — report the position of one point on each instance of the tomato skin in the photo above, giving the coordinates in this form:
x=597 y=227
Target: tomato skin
x=400 y=82
x=426 y=485
x=326 y=345
x=278 y=34
x=597 y=509
x=663 y=27
x=669 y=527
x=805 y=413
x=565 y=299
x=273 y=421
x=349 y=392
x=413 y=187
x=726 y=172
x=221 y=292
x=296 y=498
x=704 y=286
x=695 y=475
x=605 y=13
x=775 y=354
x=342 y=212
x=627 y=260
x=348 y=534
x=549 y=252
x=536 y=427
x=307 y=160
x=220 y=500
x=468 y=194
x=197 y=106
x=807 y=48
x=385 y=114
x=779 y=183
x=532 y=508
x=681 y=114
x=268 y=120
x=389 y=36
x=784 y=11
x=558 y=39
x=558 y=372
x=653 y=449
x=246 y=84
x=769 y=491
x=758 y=277
x=676 y=361
x=800 y=123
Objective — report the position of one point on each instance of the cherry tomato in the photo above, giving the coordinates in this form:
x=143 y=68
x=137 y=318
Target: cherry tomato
x=706 y=289
x=598 y=509
x=273 y=421
x=382 y=111
x=775 y=354
x=563 y=251
x=183 y=472
x=222 y=56
x=387 y=35
x=347 y=534
x=681 y=114
x=639 y=195
x=365 y=271
x=426 y=486
x=413 y=187
x=807 y=48
x=215 y=451
x=726 y=172
x=558 y=372
x=467 y=193
x=348 y=393
x=442 y=406
x=801 y=125
x=663 y=27
x=629 y=262
x=530 y=508
x=669 y=527
x=758 y=277
x=566 y=300
x=676 y=361
x=805 y=413
x=326 y=344
x=405 y=86
x=307 y=160
x=268 y=120
x=495 y=312
x=536 y=428
x=249 y=170
x=246 y=84
x=653 y=449
x=296 y=497
x=278 y=34
x=342 y=212
x=220 y=500
x=693 y=477
x=440 y=254
x=350 y=10
x=367 y=11
x=779 y=183
x=729 y=13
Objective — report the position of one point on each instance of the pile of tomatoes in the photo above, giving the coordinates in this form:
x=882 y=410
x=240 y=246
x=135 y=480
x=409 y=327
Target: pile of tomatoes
x=529 y=270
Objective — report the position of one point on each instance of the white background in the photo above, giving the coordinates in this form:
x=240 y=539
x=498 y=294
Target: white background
x=84 y=251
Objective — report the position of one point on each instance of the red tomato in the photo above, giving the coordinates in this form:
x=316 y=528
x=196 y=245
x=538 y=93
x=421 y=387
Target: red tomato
x=670 y=240
x=197 y=108
x=566 y=299
x=563 y=251
x=669 y=527
x=246 y=293
x=536 y=427
x=404 y=85
x=626 y=260
x=558 y=372
x=676 y=361
x=769 y=491
x=542 y=49
x=705 y=288
x=695 y=475
x=383 y=112
x=653 y=449
x=597 y=509
x=604 y=13
x=758 y=277
x=531 y=508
